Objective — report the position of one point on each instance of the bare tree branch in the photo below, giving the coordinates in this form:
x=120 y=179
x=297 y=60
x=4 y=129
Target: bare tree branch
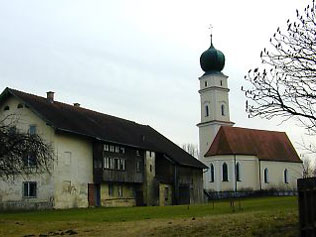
x=22 y=154
x=285 y=85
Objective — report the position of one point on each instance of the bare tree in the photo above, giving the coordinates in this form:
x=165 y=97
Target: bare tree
x=191 y=149
x=22 y=153
x=285 y=83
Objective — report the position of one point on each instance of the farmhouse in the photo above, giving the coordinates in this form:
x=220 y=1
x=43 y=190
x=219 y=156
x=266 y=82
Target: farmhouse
x=239 y=159
x=100 y=160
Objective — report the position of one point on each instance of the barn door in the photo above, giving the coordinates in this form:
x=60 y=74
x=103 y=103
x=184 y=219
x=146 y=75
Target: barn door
x=94 y=195
x=91 y=195
x=184 y=194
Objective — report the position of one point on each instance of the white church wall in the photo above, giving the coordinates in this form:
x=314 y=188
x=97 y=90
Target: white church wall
x=249 y=173
x=276 y=174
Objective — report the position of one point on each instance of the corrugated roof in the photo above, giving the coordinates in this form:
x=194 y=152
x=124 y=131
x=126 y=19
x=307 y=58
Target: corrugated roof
x=266 y=145
x=85 y=122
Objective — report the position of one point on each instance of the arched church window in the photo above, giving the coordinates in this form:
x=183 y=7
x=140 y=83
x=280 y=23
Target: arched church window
x=266 y=175
x=212 y=174
x=223 y=110
x=206 y=111
x=225 y=172
x=238 y=171
x=286 y=176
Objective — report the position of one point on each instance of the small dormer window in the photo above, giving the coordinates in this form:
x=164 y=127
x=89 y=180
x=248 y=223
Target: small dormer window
x=6 y=108
x=20 y=106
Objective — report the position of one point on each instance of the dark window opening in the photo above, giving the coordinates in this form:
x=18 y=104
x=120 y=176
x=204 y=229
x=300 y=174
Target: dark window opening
x=29 y=189
x=221 y=83
x=110 y=189
x=238 y=171
x=205 y=83
x=32 y=129
x=286 y=176
x=206 y=111
x=225 y=172
x=223 y=110
x=266 y=173
x=6 y=108
x=20 y=106
x=30 y=160
x=212 y=173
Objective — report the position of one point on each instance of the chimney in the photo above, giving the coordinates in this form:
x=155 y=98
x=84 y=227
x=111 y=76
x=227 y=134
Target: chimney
x=76 y=104
x=50 y=96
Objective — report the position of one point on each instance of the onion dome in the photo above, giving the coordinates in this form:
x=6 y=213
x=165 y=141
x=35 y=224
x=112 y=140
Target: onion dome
x=212 y=60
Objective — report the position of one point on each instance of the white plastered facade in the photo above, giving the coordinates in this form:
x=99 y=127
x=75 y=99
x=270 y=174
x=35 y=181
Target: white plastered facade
x=67 y=185
x=251 y=174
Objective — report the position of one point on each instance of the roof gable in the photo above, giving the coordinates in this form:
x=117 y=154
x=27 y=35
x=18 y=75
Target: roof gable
x=266 y=145
x=99 y=126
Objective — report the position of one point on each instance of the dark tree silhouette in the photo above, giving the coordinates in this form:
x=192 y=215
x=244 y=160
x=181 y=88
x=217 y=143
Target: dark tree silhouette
x=22 y=154
x=285 y=84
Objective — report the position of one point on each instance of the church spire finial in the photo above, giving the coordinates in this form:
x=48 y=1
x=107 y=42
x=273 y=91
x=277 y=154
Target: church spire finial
x=211 y=35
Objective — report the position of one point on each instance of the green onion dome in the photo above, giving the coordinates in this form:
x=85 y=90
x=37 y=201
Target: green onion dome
x=212 y=60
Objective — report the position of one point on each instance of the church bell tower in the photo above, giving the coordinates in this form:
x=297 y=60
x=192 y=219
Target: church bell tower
x=214 y=98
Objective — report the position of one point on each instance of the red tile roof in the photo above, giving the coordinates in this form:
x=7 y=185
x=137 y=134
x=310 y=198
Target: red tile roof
x=266 y=145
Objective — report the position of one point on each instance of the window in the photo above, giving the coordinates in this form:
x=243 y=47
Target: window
x=120 y=191
x=106 y=163
x=137 y=153
x=225 y=172
x=212 y=176
x=205 y=83
x=20 y=106
x=30 y=160
x=122 y=164
x=110 y=189
x=138 y=166
x=223 y=110
x=150 y=168
x=114 y=163
x=106 y=147
x=117 y=149
x=12 y=130
x=286 y=176
x=221 y=82
x=29 y=189
x=206 y=111
x=32 y=129
x=6 y=108
x=112 y=148
x=266 y=175
x=238 y=171
x=122 y=150
x=166 y=193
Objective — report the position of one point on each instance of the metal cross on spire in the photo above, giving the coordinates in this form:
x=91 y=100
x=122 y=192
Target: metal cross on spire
x=210 y=27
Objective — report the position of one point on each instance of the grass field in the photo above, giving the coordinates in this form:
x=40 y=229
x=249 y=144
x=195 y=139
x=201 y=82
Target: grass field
x=272 y=216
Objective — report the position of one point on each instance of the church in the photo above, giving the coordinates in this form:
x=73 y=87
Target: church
x=239 y=159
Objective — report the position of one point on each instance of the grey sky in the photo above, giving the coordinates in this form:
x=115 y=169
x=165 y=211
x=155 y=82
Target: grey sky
x=137 y=59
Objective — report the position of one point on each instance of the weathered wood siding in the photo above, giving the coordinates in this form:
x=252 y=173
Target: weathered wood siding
x=129 y=175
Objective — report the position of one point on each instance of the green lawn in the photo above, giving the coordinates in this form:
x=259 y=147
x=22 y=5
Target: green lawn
x=251 y=217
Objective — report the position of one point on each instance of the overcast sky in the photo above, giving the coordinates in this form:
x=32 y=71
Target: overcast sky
x=138 y=60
